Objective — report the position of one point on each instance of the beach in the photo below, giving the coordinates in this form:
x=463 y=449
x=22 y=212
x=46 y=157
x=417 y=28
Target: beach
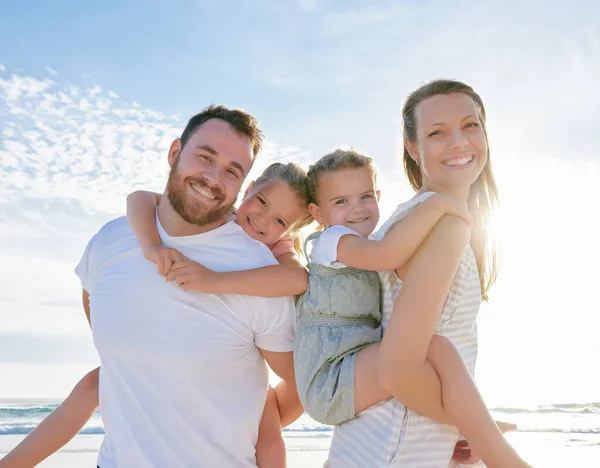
x=562 y=435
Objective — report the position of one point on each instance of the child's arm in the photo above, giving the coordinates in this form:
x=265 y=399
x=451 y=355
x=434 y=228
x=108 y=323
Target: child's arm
x=59 y=427
x=289 y=278
x=402 y=240
x=270 y=446
x=141 y=214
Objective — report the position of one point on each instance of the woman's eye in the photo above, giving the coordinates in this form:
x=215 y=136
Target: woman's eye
x=280 y=221
x=435 y=132
x=340 y=202
x=368 y=195
x=471 y=125
x=262 y=202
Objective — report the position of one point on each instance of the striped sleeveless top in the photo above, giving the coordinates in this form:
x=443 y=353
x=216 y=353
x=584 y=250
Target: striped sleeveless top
x=388 y=434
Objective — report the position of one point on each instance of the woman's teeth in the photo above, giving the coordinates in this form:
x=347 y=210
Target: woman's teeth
x=459 y=161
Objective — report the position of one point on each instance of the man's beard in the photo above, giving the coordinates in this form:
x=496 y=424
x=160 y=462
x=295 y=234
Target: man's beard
x=187 y=208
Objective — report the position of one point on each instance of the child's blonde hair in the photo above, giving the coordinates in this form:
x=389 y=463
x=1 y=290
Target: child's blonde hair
x=295 y=177
x=333 y=162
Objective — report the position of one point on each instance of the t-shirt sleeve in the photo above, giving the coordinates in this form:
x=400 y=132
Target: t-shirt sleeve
x=274 y=323
x=84 y=267
x=283 y=246
x=325 y=248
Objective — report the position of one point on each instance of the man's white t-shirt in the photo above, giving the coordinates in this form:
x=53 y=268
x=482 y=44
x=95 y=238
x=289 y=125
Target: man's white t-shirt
x=182 y=381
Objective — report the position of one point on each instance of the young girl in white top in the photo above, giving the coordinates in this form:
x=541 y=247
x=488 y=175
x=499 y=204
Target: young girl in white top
x=273 y=211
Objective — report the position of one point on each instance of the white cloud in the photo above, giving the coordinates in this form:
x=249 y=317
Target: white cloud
x=66 y=165
x=2 y=68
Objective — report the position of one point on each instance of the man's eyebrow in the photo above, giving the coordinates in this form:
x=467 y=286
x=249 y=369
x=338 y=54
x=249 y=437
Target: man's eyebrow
x=239 y=167
x=208 y=149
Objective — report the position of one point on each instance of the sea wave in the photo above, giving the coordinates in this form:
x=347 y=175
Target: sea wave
x=578 y=408
x=24 y=429
x=574 y=418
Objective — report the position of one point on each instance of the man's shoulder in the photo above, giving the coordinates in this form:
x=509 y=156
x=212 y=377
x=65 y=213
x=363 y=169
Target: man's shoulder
x=114 y=231
x=253 y=254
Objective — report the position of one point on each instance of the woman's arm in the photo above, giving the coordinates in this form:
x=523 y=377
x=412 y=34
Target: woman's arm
x=289 y=278
x=403 y=368
x=402 y=240
x=59 y=427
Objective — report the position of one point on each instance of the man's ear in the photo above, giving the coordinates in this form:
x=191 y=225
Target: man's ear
x=315 y=211
x=174 y=151
x=411 y=147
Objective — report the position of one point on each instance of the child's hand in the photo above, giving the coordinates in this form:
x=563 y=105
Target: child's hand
x=455 y=206
x=163 y=258
x=191 y=275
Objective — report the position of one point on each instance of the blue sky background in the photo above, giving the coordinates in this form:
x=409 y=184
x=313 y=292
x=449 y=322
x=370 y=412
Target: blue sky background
x=91 y=95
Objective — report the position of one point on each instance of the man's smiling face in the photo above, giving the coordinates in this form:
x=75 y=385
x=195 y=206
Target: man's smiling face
x=207 y=173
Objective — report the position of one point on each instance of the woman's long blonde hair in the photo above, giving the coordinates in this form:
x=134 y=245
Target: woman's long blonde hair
x=483 y=197
x=295 y=177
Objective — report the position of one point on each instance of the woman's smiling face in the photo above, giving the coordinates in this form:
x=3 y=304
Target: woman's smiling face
x=451 y=146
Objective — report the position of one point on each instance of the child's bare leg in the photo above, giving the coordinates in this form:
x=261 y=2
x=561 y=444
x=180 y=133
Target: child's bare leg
x=458 y=401
x=367 y=390
x=466 y=409
x=59 y=427
x=270 y=446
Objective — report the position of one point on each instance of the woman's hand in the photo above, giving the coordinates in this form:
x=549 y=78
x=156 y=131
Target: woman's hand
x=191 y=275
x=163 y=258
x=455 y=206
x=465 y=455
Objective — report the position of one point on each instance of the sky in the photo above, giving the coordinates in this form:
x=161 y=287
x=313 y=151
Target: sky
x=92 y=94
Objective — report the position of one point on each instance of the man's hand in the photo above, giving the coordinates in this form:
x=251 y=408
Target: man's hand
x=163 y=258
x=465 y=455
x=193 y=276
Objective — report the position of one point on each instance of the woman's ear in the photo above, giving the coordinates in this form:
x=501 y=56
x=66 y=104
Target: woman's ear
x=315 y=211
x=411 y=147
x=378 y=195
x=174 y=151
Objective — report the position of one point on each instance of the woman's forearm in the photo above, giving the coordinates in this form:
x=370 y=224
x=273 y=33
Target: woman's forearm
x=403 y=368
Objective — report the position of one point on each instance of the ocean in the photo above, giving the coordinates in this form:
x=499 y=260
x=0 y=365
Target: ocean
x=558 y=435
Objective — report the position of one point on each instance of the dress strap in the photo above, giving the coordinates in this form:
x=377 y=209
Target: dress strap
x=311 y=237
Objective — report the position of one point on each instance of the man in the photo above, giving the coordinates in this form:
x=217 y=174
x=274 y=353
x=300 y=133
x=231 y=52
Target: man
x=183 y=379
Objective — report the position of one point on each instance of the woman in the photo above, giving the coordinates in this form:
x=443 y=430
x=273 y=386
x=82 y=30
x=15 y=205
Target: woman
x=445 y=150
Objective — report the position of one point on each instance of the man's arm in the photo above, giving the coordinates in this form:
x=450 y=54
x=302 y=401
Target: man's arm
x=85 y=297
x=288 y=401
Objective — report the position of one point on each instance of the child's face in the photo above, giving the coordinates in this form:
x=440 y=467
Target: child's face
x=269 y=211
x=348 y=198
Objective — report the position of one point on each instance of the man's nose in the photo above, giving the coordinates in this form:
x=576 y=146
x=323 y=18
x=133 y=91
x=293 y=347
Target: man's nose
x=214 y=177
